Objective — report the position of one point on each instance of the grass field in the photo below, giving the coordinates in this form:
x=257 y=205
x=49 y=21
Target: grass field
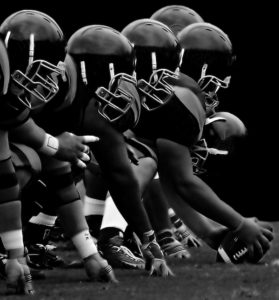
x=198 y=278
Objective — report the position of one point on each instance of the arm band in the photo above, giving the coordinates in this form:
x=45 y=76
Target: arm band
x=12 y=239
x=84 y=244
x=50 y=145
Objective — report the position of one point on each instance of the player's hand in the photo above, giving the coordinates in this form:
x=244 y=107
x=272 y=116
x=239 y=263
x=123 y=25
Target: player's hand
x=188 y=240
x=98 y=269
x=257 y=236
x=19 y=279
x=74 y=148
x=160 y=268
x=154 y=258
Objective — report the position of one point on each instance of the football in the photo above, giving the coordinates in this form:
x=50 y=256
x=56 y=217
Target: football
x=232 y=250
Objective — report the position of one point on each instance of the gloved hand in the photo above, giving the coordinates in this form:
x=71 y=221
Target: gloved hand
x=19 y=279
x=256 y=235
x=155 y=262
x=74 y=148
x=98 y=269
x=187 y=239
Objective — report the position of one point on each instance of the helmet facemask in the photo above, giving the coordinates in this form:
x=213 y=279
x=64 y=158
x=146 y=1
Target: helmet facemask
x=157 y=91
x=35 y=44
x=40 y=82
x=210 y=85
x=199 y=154
x=115 y=100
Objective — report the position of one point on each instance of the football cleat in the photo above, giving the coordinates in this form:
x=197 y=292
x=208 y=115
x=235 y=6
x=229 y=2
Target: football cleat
x=132 y=242
x=43 y=257
x=154 y=257
x=187 y=239
x=232 y=250
x=118 y=255
x=170 y=246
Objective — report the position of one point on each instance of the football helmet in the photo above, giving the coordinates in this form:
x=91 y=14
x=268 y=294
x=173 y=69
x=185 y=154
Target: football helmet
x=158 y=56
x=106 y=63
x=176 y=17
x=4 y=69
x=35 y=45
x=207 y=57
x=220 y=130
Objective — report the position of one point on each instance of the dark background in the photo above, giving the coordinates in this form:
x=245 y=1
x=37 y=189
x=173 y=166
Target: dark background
x=248 y=183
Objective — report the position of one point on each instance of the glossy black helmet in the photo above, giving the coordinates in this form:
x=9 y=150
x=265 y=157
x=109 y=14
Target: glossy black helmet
x=207 y=58
x=176 y=17
x=105 y=59
x=158 y=56
x=35 y=45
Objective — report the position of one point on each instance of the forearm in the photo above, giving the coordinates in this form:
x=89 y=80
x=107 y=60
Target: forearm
x=29 y=133
x=202 y=198
x=10 y=205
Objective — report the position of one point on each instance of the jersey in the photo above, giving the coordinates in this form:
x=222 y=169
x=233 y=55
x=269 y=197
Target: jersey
x=12 y=112
x=180 y=120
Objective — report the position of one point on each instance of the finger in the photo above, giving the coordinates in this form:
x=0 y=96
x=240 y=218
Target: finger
x=151 y=272
x=268 y=234
x=80 y=164
x=112 y=278
x=265 y=243
x=107 y=274
x=86 y=149
x=89 y=139
x=84 y=157
x=164 y=270
x=265 y=225
x=250 y=250
x=196 y=244
x=171 y=272
x=28 y=285
x=258 y=252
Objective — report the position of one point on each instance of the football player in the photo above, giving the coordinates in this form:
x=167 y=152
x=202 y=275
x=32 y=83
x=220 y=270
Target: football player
x=77 y=117
x=105 y=61
x=17 y=273
x=176 y=102
x=35 y=76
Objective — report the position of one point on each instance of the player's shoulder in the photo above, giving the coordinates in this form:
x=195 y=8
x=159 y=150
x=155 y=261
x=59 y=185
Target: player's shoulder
x=187 y=82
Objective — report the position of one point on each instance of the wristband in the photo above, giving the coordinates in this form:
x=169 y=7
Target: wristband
x=84 y=244
x=12 y=239
x=50 y=145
